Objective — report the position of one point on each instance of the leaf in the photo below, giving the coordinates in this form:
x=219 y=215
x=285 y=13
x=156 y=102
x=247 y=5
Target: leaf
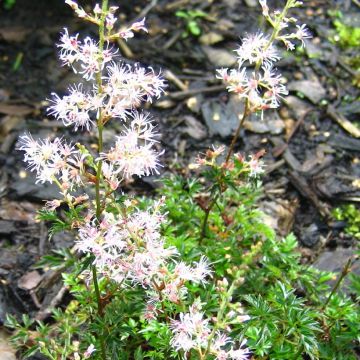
x=182 y=14
x=194 y=28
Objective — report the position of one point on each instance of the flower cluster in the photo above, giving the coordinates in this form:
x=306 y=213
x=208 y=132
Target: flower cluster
x=92 y=60
x=130 y=248
x=254 y=166
x=193 y=331
x=262 y=87
x=124 y=90
x=53 y=161
x=133 y=153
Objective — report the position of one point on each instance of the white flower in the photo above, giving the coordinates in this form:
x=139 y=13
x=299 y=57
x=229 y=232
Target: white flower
x=139 y=25
x=132 y=85
x=302 y=33
x=265 y=8
x=133 y=153
x=239 y=354
x=73 y=109
x=256 y=166
x=47 y=158
x=256 y=48
x=87 y=53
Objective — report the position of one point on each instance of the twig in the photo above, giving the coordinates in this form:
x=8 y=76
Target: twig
x=191 y=92
x=207 y=213
x=146 y=10
x=303 y=187
x=343 y=122
x=346 y=269
x=125 y=50
x=278 y=151
x=176 y=36
x=44 y=313
x=176 y=4
x=169 y=75
x=245 y=115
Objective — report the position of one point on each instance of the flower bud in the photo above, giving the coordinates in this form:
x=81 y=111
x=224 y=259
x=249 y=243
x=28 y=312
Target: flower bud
x=97 y=10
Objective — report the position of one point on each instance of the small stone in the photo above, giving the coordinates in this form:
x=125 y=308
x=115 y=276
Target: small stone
x=194 y=128
x=310 y=235
x=334 y=261
x=222 y=119
x=313 y=90
x=29 y=280
x=210 y=38
x=270 y=124
x=298 y=75
x=219 y=57
x=298 y=107
x=251 y=3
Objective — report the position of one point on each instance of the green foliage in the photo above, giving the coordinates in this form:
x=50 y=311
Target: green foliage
x=9 y=4
x=191 y=18
x=347 y=36
x=281 y=325
x=283 y=297
x=351 y=214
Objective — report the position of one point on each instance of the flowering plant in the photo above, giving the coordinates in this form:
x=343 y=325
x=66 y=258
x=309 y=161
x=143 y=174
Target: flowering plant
x=145 y=285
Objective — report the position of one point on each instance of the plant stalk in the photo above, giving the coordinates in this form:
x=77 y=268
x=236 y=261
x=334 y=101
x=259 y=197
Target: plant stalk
x=206 y=217
x=219 y=318
x=346 y=269
x=100 y=125
x=233 y=141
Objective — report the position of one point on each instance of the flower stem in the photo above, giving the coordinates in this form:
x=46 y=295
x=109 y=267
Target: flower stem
x=206 y=217
x=346 y=269
x=220 y=315
x=100 y=124
x=99 y=166
x=233 y=141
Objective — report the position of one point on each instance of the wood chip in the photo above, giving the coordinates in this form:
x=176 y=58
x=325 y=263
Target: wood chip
x=343 y=122
x=19 y=110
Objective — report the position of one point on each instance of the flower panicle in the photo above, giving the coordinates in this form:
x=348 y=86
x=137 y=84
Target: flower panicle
x=262 y=87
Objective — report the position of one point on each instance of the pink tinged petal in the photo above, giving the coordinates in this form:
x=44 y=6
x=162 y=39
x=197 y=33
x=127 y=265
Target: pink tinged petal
x=140 y=25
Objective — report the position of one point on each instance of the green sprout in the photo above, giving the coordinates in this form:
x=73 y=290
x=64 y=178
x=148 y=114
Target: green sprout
x=191 y=18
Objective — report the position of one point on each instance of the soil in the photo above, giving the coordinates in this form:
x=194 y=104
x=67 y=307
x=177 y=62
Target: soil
x=312 y=157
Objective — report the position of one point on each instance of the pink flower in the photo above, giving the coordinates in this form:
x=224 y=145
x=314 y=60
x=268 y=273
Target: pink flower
x=53 y=204
x=256 y=166
x=110 y=21
x=139 y=25
x=239 y=354
x=90 y=350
